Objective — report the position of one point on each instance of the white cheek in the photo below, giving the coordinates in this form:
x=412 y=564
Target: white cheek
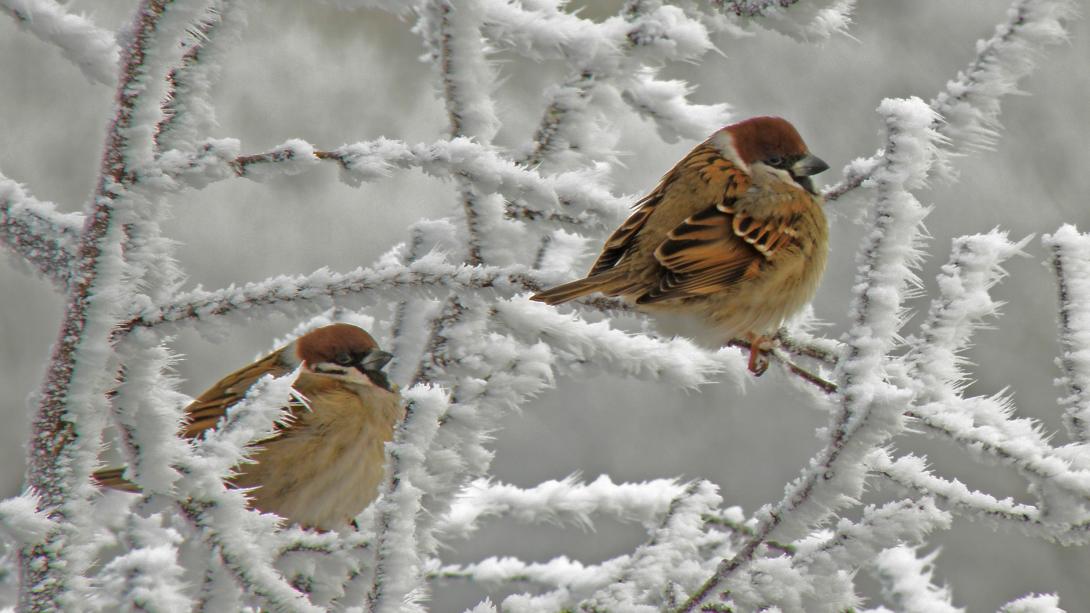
x=357 y=377
x=724 y=142
x=761 y=170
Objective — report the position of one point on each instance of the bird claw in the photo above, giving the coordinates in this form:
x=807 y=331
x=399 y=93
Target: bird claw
x=759 y=346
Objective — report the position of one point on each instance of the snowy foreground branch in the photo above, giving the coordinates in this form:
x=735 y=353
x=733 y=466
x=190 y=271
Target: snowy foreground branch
x=471 y=348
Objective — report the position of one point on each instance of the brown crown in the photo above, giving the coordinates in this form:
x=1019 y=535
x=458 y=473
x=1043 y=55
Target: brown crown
x=760 y=138
x=323 y=344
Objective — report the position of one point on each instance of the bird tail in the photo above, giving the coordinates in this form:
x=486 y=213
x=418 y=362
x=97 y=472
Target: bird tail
x=610 y=283
x=113 y=479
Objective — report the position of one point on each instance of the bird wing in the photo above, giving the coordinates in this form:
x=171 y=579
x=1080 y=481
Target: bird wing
x=211 y=406
x=723 y=246
x=705 y=156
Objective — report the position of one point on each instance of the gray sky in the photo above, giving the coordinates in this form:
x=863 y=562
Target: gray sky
x=306 y=70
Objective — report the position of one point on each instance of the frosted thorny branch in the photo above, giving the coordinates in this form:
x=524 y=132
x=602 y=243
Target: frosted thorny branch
x=471 y=348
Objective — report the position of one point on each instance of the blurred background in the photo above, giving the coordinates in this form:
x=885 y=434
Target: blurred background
x=307 y=70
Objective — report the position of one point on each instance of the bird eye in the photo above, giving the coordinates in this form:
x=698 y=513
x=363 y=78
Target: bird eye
x=775 y=161
x=344 y=359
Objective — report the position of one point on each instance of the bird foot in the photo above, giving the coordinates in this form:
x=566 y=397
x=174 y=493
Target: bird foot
x=759 y=346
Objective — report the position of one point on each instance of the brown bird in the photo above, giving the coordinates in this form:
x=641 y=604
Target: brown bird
x=325 y=463
x=734 y=233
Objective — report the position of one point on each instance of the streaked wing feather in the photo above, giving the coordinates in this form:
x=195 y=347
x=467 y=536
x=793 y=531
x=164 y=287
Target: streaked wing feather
x=716 y=249
x=622 y=239
x=207 y=410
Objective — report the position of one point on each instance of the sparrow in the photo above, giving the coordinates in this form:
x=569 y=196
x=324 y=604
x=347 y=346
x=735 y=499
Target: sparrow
x=734 y=234
x=324 y=464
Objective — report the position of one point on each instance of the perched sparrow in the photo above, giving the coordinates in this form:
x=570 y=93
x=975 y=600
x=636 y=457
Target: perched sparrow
x=734 y=233
x=325 y=463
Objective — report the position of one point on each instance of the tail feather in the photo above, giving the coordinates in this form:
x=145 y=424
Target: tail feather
x=113 y=479
x=610 y=283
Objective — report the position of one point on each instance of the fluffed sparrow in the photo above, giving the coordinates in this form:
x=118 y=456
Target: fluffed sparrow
x=324 y=465
x=734 y=233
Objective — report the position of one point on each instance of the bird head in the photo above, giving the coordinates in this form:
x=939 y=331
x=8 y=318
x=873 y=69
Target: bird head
x=346 y=352
x=776 y=144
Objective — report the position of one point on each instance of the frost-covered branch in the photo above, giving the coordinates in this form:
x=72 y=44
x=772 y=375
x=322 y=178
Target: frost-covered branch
x=83 y=43
x=1071 y=261
x=669 y=560
x=558 y=502
x=558 y=573
x=572 y=197
x=398 y=567
x=597 y=345
x=70 y=412
x=970 y=104
x=313 y=291
x=968 y=109
x=36 y=232
x=910 y=472
x=188 y=113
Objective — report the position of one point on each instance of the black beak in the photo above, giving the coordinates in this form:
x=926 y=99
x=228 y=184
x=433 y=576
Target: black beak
x=372 y=366
x=809 y=165
x=376 y=360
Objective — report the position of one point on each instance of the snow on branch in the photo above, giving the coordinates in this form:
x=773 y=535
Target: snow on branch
x=665 y=102
x=36 y=232
x=561 y=573
x=561 y=502
x=906 y=582
x=83 y=43
x=589 y=346
x=1071 y=262
x=1033 y=603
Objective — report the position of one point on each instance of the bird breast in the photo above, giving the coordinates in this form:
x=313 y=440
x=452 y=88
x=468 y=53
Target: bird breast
x=329 y=464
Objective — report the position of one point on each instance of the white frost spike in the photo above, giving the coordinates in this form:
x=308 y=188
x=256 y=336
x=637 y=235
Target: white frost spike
x=21 y=521
x=1071 y=262
x=906 y=582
